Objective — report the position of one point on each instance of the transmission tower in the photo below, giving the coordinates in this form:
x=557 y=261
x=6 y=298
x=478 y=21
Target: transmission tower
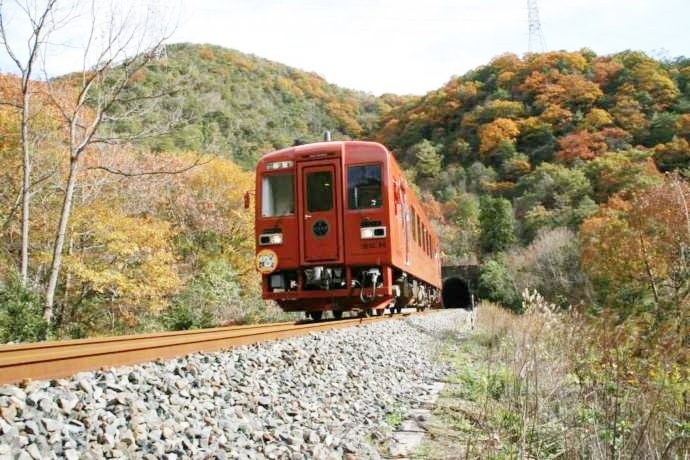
x=536 y=38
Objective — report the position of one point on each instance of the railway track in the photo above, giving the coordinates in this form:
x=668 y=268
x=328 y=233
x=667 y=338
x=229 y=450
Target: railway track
x=56 y=359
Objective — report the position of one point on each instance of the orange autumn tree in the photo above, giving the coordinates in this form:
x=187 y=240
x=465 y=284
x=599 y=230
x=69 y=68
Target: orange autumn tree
x=636 y=250
x=586 y=145
x=493 y=134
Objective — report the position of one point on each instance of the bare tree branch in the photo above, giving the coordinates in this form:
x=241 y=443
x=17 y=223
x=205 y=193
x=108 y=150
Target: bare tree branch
x=18 y=200
x=39 y=29
x=119 y=172
x=103 y=86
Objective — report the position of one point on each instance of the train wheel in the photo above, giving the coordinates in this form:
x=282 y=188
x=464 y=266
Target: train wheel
x=337 y=314
x=316 y=315
x=379 y=312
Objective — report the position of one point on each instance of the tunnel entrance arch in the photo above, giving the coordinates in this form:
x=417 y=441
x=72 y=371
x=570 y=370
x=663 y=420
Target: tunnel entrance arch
x=459 y=284
x=456 y=293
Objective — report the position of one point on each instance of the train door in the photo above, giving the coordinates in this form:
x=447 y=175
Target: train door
x=319 y=205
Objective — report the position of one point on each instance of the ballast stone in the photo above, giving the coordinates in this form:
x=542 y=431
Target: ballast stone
x=323 y=395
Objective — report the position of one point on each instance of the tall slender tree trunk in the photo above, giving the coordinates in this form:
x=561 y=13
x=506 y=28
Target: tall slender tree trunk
x=26 y=184
x=60 y=239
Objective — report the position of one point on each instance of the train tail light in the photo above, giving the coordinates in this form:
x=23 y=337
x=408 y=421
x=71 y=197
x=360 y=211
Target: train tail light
x=267 y=239
x=368 y=233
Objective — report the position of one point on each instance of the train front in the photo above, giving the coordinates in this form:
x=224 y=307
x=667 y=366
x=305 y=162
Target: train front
x=315 y=242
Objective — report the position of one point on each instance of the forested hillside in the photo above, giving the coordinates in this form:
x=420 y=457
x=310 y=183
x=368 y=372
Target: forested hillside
x=157 y=236
x=241 y=106
x=564 y=176
x=532 y=166
x=530 y=152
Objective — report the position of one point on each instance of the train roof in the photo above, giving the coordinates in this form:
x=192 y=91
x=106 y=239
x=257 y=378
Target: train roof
x=299 y=151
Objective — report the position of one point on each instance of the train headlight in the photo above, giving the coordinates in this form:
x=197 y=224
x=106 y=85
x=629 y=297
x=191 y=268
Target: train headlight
x=267 y=239
x=368 y=233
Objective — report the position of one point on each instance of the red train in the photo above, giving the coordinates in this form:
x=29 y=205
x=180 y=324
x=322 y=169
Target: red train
x=338 y=228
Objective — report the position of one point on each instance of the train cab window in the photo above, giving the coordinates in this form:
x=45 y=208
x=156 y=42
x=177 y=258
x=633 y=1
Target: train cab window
x=277 y=195
x=364 y=187
x=319 y=191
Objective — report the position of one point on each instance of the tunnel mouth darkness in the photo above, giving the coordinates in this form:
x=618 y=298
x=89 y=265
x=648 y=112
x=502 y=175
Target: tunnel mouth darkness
x=456 y=293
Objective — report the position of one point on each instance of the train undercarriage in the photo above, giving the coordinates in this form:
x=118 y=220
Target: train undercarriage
x=366 y=290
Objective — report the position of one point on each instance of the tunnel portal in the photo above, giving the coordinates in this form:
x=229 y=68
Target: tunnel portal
x=456 y=293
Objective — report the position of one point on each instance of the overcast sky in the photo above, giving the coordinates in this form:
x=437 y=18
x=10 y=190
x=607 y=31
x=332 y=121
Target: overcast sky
x=411 y=47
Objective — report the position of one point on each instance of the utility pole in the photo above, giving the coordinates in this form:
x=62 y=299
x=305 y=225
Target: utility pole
x=536 y=38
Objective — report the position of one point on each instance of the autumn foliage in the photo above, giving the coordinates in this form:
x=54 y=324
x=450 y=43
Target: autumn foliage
x=136 y=242
x=569 y=140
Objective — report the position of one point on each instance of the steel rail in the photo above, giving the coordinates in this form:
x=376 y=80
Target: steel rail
x=58 y=359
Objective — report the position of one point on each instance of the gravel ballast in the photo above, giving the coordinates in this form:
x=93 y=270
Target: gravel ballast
x=325 y=395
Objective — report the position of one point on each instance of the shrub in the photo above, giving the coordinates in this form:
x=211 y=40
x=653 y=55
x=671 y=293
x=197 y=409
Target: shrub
x=551 y=265
x=567 y=385
x=496 y=285
x=214 y=298
x=21 y=312
x=496 y=222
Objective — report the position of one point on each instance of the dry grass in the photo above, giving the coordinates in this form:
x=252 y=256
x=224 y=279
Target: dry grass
x=554 y=384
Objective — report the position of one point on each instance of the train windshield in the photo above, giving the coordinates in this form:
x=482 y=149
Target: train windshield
x=278 y=195
x=364 y=186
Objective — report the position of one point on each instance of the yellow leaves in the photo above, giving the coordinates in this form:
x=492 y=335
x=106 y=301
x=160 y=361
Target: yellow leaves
x=501 y=108
x=672 y=154
x=508 y=62
x=499 y=130
x=505 y=79
x=579 y=90
x=596 y=119
x=128 y=259
x=289 y=86
x=556 y=115
x=628 y=113
x=656 y=81
x=206 y=53
x=528 y=123
x=683 y=125
x=468 y=90
x=574 y=62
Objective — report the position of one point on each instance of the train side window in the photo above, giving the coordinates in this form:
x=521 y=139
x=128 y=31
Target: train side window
x=414 y=224
x=319 y=191
x=277 y=195
x=419 y=232
x=364 y=187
